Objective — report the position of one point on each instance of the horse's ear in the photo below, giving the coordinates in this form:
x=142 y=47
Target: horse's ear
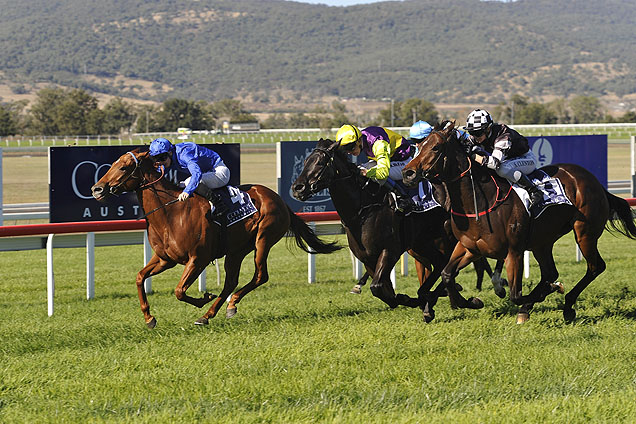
x=449 y=126
x=334 y=145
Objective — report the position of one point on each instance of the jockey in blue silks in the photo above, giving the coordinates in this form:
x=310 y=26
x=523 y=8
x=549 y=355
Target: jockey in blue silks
x=206 y=168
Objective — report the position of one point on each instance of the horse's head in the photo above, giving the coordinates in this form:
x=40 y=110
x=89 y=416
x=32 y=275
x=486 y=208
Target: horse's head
x=318 y=171
x=432 y=154
x=125 y=174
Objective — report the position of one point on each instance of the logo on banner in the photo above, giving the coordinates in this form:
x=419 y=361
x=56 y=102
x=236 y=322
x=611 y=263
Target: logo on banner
x=543 y=151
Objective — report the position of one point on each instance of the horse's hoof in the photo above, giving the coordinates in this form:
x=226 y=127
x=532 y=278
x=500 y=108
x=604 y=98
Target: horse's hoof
x=569 y=315
x=557 y=286
x=356 y=290
x=501 y=293
x=230 y=312
x=458 y=287
x=428 y=316
x=522 y=317
x=152 y=323
x=475 y=303
x=201 y=321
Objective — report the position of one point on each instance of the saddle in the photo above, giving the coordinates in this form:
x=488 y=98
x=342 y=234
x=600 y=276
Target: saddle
x=552 y=189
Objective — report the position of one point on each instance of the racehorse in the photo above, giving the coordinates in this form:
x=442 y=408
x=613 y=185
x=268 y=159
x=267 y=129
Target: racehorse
x=183 y=232
x=376 y=234
x=505 y=230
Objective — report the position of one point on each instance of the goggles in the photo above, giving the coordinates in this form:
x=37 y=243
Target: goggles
x=161 y=158
x=478 y=133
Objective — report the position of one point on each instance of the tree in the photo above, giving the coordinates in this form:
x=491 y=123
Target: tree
x=586 y=109
x=232 y=110
x=118 y=116
x=78 y=114
x=43 y=114
x=11 y=121
x=175 y=113
x=408 y=112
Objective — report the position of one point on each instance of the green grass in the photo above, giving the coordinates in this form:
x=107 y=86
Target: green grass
x=310 y=353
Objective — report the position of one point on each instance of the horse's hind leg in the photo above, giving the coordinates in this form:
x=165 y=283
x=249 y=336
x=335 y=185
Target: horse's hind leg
x=547 y=284
x=261 y=276
x=232 y=269
x=154 y=266
x=357 y=289
x=588 y=243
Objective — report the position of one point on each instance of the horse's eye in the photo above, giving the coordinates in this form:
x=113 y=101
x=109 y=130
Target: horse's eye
x=436 y=148
x=123 y=168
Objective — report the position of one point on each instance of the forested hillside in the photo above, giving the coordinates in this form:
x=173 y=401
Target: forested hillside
x=455 y=50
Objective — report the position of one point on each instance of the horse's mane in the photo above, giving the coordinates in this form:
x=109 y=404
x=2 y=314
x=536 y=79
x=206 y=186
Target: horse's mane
x=147 y=166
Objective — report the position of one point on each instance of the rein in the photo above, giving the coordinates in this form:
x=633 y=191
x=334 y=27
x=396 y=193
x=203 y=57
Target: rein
x=492 y=208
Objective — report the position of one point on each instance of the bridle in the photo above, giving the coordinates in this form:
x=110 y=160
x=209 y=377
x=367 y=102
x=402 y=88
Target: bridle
x=329 y=155
x=129 y=176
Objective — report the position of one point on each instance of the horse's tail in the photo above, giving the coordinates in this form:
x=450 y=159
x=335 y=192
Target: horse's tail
x=621 y=218
x=305 y=236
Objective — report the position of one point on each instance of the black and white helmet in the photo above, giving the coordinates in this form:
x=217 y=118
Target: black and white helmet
x=478 y=121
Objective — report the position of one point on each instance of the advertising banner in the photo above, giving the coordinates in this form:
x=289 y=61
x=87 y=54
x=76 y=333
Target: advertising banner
x=73 y=170
x=290 y=159
x=588 y=151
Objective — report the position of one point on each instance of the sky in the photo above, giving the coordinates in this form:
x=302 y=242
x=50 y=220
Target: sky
x=339 y=2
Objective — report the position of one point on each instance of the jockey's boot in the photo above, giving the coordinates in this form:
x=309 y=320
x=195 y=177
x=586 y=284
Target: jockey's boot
x=219 y=206
x=536 y=196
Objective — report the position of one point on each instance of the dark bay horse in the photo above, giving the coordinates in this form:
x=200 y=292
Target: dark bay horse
x=377 y=235
x=182 y=233
x=505 y=230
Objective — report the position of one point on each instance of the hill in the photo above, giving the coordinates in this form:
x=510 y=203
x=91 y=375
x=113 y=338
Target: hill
x=273 y=51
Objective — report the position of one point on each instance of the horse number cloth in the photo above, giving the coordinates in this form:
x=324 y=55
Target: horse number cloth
x=553 y=193
x=239 y=202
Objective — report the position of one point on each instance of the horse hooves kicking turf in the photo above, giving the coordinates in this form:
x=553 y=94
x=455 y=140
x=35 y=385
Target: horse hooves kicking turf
x=475 y=303
x=569 y=315
x=201 y=321
x=230 y=312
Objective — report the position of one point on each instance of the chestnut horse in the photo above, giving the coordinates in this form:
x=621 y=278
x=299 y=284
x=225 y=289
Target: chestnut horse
x=183 y=233
x=504 y=229
x=377 y=235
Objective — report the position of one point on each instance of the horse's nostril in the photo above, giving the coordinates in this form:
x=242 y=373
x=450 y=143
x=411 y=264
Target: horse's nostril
x=298 y=187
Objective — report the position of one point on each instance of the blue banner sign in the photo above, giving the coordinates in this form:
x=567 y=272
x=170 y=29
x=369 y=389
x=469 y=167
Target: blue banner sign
x=290 y=156
x=74 y=170
x=588 y=151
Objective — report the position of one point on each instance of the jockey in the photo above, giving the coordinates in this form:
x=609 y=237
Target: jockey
x=387 y=150
x=421 y=129
x=502 y=149
x=206 y=168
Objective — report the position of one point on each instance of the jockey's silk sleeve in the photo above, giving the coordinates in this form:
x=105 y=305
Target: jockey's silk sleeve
x=381 y=156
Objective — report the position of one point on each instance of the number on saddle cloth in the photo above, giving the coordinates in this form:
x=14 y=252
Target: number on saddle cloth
x=553 y=192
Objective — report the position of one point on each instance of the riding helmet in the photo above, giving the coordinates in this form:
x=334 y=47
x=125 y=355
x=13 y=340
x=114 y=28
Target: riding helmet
x=478 y=120
x=159 y=146
x=348 y=134
x=420 y=130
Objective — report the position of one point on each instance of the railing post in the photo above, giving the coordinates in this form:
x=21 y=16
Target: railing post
x=311 y=260
x=202 y=281
x=50 y=280
x=404 y=262
x=147 y=256
x=90 y=265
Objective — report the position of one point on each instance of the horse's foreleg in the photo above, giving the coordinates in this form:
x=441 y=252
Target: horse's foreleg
x=381 y=286
x=459 y=259
x=155 y=266
x=192 y=270
x=499 y=284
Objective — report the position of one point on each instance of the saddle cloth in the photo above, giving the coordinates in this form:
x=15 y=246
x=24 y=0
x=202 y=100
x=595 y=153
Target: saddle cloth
x=239 y=203
x=553 y=193
x=422 y=196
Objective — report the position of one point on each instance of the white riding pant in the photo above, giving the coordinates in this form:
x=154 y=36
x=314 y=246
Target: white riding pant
x=512 y=169
x=395 y=171
x=216 y=178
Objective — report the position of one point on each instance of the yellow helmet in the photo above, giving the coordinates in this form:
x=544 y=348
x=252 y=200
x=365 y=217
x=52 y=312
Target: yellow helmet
x=348 y=134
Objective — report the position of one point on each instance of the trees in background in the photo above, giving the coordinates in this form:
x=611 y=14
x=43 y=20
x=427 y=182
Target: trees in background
x=57 y=111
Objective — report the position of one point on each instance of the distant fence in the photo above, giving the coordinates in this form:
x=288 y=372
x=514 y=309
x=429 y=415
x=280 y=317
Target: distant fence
x=266 y=136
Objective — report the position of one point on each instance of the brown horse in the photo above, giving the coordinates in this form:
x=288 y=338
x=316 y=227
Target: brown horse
x=504 y=229
x=183 y=233
x=376 y=234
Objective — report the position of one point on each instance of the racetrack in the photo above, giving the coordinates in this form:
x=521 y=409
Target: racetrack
x=310 y=353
